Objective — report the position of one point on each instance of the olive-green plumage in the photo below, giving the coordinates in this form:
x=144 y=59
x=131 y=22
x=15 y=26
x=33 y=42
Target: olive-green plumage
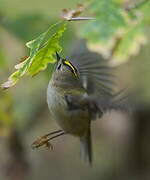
x=76 y=95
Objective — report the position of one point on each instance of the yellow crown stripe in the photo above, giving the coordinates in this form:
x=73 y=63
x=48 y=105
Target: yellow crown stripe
x=71 y=66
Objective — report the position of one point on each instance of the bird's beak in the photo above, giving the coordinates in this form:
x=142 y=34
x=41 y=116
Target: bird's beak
x=58 y=57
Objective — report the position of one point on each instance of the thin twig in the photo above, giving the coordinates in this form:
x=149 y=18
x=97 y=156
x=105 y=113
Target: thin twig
x=81 y=18
x=136 y=6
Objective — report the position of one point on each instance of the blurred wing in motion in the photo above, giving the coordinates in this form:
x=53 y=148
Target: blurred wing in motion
x=99 y=83
x=94 y=73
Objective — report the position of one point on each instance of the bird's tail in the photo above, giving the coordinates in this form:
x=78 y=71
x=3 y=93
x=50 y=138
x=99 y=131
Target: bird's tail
x=86 y=147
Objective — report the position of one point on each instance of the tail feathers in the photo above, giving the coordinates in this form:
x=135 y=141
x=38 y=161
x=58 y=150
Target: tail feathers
x=86 y=147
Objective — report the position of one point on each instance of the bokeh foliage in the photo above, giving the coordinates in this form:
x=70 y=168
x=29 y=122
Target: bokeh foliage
x=119 y=29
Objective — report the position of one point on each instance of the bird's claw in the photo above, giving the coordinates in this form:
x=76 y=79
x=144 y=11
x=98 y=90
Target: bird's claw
x=44 y=140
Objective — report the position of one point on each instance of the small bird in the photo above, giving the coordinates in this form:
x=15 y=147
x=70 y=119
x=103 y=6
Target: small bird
x=80 y=90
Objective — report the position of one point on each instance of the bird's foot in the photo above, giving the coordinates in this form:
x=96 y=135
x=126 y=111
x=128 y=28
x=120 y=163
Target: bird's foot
x=44 y=140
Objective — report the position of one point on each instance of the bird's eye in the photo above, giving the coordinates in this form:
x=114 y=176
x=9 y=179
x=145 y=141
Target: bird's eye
x=58 y=67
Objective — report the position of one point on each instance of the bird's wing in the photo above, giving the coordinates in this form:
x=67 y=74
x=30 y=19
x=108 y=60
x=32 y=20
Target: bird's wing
x=94 y=73
x=97 y=79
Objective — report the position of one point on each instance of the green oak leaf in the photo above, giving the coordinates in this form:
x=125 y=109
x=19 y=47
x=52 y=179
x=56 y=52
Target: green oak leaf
x=115 y=33
x=130 y=43
x=42 y=52
x=46 y=54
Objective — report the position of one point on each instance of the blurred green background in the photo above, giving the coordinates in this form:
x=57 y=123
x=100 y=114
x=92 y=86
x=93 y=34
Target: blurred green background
x=120 y=140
